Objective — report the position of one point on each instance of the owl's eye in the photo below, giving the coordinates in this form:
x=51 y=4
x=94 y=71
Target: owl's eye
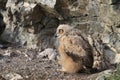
x=61 y=31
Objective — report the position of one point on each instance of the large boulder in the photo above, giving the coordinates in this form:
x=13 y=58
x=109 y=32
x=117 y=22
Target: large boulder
x=30 y=24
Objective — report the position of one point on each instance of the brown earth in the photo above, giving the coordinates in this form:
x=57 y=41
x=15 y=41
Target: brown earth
x=25 y=63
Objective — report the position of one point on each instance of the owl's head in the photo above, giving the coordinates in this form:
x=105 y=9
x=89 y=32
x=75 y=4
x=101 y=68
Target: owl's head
x=63 y=30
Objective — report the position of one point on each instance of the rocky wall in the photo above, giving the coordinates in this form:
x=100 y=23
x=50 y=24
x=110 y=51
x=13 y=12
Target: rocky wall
x=100 y=21
x=29 y=24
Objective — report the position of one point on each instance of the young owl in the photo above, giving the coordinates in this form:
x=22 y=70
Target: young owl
x=75 y=51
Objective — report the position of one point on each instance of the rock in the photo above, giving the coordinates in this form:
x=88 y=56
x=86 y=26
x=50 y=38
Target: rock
x=12 y=76
x=104 y=74
x=1 y=78
x=9 y=53
x=2 y=24
x=61 y=7
x=29 y=23
x=49 y=3
x=106 y=38
x=3 y=4
x=49 y=52
x=110 y=55
x=117 y=58
x=1 y=46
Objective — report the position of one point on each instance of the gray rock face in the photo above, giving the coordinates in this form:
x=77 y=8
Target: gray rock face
x=31 y=24
x=2 y=24
x=104 y=74
x=12 y=76
x=3 y=4
x=49 y=3
x=50 y=53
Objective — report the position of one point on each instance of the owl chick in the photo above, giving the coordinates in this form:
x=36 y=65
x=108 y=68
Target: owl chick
x=75 y=51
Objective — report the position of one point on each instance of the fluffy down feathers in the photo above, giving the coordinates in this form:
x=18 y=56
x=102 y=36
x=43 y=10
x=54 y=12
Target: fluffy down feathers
x=75 y=45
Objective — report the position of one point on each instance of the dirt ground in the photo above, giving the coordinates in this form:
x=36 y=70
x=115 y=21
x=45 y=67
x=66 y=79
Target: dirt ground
x=26 y=63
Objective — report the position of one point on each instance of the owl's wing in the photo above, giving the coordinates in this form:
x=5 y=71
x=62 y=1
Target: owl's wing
x=82 y=49
x=78 y=33
x=75 y=45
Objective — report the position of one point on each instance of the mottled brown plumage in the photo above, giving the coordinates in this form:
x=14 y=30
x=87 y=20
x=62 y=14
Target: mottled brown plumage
x=75 y=51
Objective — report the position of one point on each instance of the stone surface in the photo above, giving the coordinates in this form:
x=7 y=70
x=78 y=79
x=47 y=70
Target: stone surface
x=49 y=3
x=27 y=24
x=104 y=74
x=2 y=24
x=12 y=76
x=50 y=53
x=3 y=4
x=1 y=78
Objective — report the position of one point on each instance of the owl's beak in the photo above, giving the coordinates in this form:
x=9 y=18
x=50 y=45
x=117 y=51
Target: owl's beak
x=55 y=35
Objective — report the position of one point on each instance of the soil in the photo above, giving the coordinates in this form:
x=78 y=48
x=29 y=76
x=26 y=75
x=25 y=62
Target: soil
x=26 y=63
